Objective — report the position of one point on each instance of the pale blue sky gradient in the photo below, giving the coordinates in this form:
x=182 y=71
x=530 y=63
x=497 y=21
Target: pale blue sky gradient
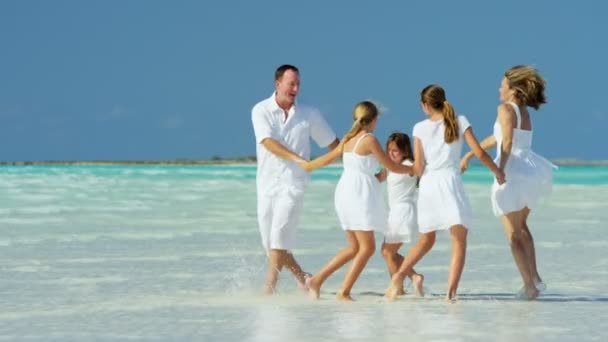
x=177 y=79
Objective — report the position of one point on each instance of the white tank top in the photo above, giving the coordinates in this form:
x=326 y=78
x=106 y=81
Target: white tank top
x=522 y=139
x=354 y=162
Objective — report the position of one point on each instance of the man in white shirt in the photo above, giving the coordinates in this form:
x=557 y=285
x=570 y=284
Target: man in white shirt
x=283 y=129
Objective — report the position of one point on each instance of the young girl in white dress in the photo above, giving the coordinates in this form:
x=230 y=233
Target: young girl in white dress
x=358 y=199
x=528 y=175
x=402 y=191
x=442 y=202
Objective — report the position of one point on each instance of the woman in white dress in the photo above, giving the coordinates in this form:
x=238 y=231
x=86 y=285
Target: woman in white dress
x=402 y=191
x=442 y=202
x=358 y=199
x=528 y=175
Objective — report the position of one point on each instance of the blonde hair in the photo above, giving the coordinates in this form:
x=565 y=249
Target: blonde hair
x=364 y=114
x=528 y=84
x=434 y=96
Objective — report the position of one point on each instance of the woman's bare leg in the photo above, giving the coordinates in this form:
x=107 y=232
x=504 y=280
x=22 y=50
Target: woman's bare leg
x=459 y=251
x=528 y=242
x=345 y=255
x=367 y=247
x=513 y=224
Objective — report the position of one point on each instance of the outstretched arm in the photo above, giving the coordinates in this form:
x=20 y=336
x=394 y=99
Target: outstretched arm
x=280 y=151
x=265 y=135
x=485 y=144
x=323 y=160
x=481 y=154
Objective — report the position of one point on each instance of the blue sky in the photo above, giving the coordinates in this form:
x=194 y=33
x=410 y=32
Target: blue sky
x=177 y=79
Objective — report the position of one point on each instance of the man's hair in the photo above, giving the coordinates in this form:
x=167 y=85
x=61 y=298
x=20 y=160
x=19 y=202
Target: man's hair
x=281 y=70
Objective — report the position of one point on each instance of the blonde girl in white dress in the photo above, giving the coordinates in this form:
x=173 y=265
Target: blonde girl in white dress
x=358 y=198
x=402 y=191
x=528 y=175
x=442 y=202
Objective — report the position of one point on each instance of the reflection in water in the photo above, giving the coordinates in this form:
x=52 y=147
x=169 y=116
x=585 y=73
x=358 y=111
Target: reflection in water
x=292 y=318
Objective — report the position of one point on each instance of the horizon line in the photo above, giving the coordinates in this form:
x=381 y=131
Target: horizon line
x=229 y=160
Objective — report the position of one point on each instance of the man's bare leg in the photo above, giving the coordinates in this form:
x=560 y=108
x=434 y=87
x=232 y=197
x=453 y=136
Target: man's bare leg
x=293 y=266
x=275 y=264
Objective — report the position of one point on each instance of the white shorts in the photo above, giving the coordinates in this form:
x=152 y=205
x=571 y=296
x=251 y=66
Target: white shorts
x=402 y=223
x=278 y=217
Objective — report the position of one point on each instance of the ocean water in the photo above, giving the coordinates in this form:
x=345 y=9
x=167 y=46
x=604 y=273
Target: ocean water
x=173 y=253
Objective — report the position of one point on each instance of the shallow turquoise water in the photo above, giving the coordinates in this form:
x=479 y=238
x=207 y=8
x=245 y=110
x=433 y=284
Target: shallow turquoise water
x=173 y=253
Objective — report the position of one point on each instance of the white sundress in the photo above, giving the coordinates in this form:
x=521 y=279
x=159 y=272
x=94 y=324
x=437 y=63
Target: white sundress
x=358 y=198
x=529 y=177
x=402 y=195
x=442 y=201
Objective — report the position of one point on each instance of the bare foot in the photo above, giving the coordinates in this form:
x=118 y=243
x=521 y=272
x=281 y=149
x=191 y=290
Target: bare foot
x=313 y=288
x=532 y=292
x=450 y=300
x=401 y=291
x=267 y=290
x=341 y=296
x=527 y=293
x=392 y=292
x=450 y=297
x=540 y=286
x=301 y=280
x=417 y=281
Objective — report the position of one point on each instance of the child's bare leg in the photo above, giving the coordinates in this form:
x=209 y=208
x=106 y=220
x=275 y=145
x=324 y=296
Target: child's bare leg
x=417 y=282
x=528 y=242
x=367 y=247
x=391 y=256
x=513 y=223
x=275 y=265
x=345 y=255
x=459 y=251
x=424 y=244
x=393 y=259
x=414 y=276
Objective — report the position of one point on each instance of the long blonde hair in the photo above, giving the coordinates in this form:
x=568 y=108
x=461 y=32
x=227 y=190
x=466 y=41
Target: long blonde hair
x=364 y=114
x=528 y=84
x=434 y=96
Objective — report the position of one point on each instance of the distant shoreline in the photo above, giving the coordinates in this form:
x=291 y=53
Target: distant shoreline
x=228 y=161
x=211 y=161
